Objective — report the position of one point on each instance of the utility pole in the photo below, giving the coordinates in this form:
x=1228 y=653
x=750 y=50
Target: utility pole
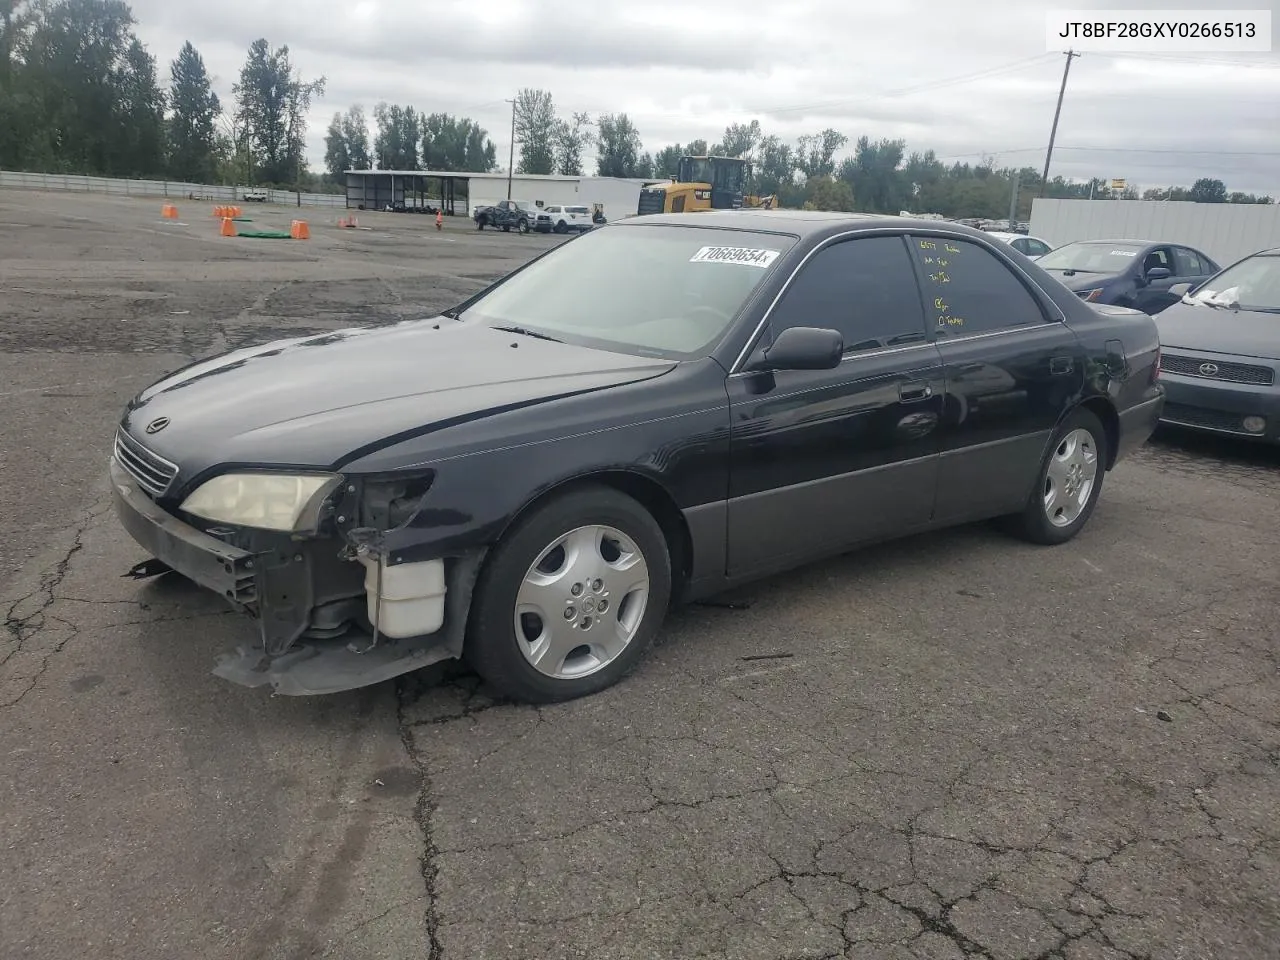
x=1013 y=203
x=1053 y=133
x=511 y=162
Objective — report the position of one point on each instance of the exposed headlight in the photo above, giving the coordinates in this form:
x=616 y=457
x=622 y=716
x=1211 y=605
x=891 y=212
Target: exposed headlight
x=267 y=501
x=1090 y=295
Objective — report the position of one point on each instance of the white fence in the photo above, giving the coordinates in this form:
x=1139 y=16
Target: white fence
x=178 y=190
x=1225 y=231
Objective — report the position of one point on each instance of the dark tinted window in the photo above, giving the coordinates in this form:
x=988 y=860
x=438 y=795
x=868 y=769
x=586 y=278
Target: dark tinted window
x=1036 y=249
x=968 y=290
x=864 y=288
x=1185 y=262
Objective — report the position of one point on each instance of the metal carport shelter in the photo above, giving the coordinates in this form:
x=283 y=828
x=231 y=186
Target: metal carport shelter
x=404 y=189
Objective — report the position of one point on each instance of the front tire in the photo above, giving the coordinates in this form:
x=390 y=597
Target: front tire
x=571 y=598
x=1068 y=484
x=522 y=226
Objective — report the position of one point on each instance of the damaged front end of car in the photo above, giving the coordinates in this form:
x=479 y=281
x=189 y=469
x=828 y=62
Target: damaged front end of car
x=337 y=571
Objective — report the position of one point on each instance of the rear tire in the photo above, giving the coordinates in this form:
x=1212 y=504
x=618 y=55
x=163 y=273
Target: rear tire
x=480 y=223
x=571 y=598
x=1068 y=482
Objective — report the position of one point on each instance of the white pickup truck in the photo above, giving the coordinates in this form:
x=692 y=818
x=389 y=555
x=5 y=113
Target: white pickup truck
x=561 y=218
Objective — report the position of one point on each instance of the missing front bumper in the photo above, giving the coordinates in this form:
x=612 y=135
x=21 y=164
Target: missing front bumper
x=285 y=591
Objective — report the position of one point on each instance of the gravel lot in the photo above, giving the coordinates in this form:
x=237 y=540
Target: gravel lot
x=951 y=746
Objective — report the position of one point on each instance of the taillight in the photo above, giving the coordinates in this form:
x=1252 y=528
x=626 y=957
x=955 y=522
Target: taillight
x=1155 y=369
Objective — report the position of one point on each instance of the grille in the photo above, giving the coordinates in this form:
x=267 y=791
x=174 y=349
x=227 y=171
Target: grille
x=152 y=473
x=652 y=201
x=1200 y=417
x=1230 y=372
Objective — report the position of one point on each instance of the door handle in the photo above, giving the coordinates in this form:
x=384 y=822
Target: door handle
x=1060 y=366
x=912 y=392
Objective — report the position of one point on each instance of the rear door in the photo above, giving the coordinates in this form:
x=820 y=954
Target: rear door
x=1190 y=266
x=1011 y=368
x=823 y=459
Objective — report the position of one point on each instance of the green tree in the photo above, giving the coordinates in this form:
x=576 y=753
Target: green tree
x=775 y=166
x=395 y=146
x=571 y=136
x=619 y=148
x=536 y=131
x=337 y=156
x=272 y=104
x=191 y=125
x=741 y=140
x=666 y=162
x=355 y=131
x=816 y=153
x=873 y=173
x=450 y=143
x=1207 y=190
x=142 y=147
x=827 y=193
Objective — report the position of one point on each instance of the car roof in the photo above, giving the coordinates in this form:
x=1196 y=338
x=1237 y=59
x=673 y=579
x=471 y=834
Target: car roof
x=1140 y=243
x=802 y=223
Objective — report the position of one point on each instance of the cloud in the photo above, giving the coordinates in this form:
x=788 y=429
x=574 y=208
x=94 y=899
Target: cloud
x=959 y=79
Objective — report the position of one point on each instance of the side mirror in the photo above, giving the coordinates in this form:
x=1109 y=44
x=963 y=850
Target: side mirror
x=1181 y=289
x=804 y=348
x=1159 y=273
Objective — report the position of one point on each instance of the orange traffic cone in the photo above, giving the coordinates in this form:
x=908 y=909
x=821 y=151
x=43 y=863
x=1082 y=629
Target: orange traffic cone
x=228 y=227
x=169 y=212
x=439 y=219
x=299 y=230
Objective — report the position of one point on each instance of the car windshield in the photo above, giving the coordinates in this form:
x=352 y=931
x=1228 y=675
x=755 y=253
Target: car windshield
x=653 y=290
x=575 y=209
x=1252 y=284
x=526 y=205
x=1092 y=257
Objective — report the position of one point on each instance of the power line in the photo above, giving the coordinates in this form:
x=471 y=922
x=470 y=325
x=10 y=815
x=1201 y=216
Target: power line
x=929 y=85
x=1207 y=61
x=937 y=84
x=1186 y=153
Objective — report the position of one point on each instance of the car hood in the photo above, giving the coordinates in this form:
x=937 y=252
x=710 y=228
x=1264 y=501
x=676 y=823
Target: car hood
x=1081 y=281
x=1241 y=332
x=321 y=400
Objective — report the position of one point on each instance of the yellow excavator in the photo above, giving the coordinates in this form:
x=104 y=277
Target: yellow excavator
x=703 y=183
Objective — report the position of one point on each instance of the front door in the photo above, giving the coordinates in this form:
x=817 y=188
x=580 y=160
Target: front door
x=1011 y=372
x=1152 y=296
x=821 y=460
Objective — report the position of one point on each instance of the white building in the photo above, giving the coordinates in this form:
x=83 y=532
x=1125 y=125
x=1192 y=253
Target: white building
x=376 y=189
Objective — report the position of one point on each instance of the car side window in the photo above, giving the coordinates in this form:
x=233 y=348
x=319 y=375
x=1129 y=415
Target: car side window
x=865 y=288
x=1158 y=257
x=1022 y=245
x=1185 y=262
x=1036 y=249
x=968 y=289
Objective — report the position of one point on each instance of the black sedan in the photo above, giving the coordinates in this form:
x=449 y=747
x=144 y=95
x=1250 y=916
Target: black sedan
x=1221 y=359
x=651 y=412
x=1127 y=273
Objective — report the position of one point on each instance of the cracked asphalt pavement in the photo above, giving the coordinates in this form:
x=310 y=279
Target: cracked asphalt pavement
x=951 y=746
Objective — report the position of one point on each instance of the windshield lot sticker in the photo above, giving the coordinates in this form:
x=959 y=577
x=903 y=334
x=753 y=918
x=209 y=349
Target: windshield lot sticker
x=745 y=255
x=1123 y=253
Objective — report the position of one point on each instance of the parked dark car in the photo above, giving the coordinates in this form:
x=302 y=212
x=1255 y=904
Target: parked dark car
x=520 y=215
x=1221 y=352
x=651 y=412
x=1127 y=273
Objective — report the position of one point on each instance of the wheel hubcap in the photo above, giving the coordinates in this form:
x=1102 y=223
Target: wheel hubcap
x=1069 y=481
x=581 y=602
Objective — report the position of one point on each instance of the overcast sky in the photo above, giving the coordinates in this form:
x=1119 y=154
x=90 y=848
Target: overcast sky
x=963 y=78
